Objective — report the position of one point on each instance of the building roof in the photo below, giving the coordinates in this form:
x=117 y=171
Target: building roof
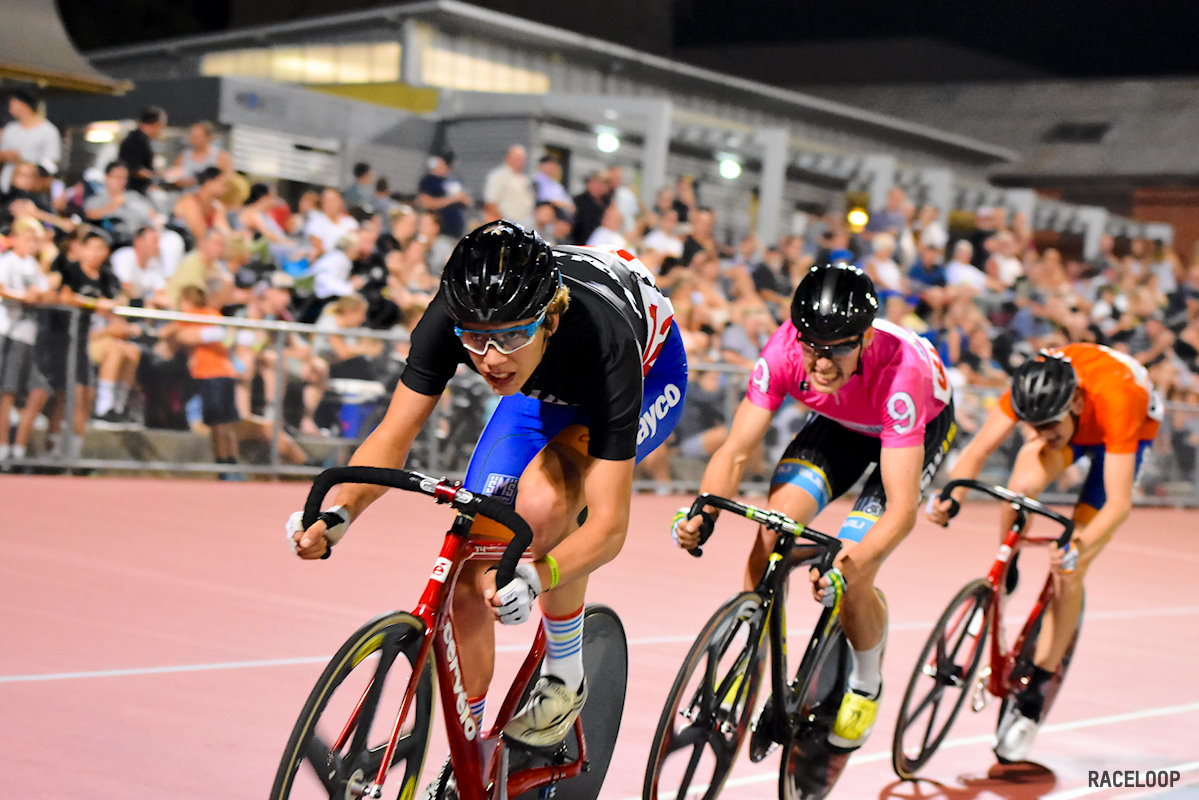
x=35 y=47
x=1140 y=130
x=452 y=15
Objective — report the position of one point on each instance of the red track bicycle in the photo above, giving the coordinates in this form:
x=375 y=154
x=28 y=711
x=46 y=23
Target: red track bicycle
x=949 y=663
x=342 y=747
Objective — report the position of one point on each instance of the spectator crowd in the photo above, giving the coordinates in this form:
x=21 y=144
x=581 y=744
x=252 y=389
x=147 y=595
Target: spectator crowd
x=194 y=235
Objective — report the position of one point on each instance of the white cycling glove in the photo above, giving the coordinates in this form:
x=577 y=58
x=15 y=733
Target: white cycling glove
x=516 y=598
x=337 y=522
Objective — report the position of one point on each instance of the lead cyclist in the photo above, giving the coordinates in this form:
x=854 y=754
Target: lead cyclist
x=583 y=350
x=878 y=395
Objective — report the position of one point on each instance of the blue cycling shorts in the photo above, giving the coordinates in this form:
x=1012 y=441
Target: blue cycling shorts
x=1093 y=494
x=521 y=426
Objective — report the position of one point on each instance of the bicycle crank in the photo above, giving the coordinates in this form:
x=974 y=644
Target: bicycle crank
x=978 y=699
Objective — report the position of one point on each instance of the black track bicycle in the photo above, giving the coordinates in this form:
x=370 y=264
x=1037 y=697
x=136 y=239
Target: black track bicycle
x=707 y=713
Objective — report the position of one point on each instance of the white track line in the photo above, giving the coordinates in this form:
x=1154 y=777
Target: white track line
x=966 y=741
x=1161 y=552
x=1083 y=791
x=511 y=648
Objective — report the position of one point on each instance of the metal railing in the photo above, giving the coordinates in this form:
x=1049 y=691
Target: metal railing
x=447 y=440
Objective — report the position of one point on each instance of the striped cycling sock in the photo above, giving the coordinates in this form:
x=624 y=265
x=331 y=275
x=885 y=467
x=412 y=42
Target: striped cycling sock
x=564 y=648
x=477 y=704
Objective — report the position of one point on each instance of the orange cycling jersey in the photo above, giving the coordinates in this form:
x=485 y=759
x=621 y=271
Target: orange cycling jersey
x=1118 y=404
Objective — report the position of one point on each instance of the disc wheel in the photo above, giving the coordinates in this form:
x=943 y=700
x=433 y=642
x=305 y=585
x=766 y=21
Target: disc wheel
x=356 y=699
x=810 y=764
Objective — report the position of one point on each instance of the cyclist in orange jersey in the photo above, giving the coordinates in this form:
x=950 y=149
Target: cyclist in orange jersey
x=1078 y=400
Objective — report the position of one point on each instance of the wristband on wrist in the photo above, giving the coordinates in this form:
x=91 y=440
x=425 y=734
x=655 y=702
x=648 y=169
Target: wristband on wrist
x=552 y=563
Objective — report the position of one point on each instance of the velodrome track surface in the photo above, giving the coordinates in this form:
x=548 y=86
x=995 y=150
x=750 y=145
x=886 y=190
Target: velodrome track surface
x=159 y=639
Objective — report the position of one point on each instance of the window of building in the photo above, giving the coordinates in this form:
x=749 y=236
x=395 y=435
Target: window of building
x=354 y=63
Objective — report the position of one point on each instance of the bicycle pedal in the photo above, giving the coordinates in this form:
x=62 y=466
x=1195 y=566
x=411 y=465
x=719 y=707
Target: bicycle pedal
x=979 y=698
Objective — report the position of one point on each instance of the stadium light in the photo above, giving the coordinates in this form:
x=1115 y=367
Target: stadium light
x=102 y=132
x=730 y=168
x=606 y=140
x=857 y=218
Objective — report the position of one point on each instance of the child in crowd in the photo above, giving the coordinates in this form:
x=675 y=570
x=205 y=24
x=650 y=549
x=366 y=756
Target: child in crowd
x=213 y=371
x=21 y=281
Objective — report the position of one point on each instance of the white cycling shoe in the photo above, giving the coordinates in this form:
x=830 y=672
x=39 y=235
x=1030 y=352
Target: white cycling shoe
x=1014 y=739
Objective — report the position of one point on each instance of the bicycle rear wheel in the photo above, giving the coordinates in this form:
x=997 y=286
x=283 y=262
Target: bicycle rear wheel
x=709 y=705
x=942 y=678
x=371 y=670
x=810 y=764
x=606 y=664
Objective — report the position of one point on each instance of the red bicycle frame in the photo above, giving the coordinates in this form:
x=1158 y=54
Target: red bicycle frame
x=1003 y=661
x=466 y=741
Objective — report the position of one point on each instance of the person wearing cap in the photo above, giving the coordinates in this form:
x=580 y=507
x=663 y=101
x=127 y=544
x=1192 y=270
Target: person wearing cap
x=29 y=137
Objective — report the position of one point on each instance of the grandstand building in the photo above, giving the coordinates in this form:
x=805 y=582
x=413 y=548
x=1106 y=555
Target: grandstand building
x=304 y=100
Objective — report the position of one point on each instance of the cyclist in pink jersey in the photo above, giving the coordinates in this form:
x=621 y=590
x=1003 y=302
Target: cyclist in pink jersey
x=879 y=395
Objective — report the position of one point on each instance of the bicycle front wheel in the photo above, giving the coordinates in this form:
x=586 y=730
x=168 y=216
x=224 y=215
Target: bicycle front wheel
x=707 y=711
x=340 y=739
x=810 y=764
x=943 y=676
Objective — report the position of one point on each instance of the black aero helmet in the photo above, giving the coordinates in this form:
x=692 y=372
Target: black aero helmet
x=1043 y=387
x=499 y=272
x=834 y=301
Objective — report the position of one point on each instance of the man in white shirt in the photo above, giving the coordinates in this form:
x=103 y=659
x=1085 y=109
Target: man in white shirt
x=624 y=198
x=548 y=183
x=609 y=231
x=665 y=239
x=960 y=273
x=331 y=222
x=139 y=269
x=508 y=193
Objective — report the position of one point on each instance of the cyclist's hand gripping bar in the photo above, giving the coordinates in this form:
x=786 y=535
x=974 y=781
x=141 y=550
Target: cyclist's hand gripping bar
x=1018 y=501
x=773 y=520
x=464 y=501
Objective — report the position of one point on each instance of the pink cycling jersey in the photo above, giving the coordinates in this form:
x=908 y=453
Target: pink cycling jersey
x=899 y=388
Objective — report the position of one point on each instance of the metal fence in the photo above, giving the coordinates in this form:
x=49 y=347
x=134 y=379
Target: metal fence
x=353 y=406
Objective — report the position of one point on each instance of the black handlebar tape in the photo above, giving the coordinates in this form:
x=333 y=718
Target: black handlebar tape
x=522 y=537
x=376 y=476
x=706 y=528
x=411 y=482
x=1026 y=503
x=954 y=506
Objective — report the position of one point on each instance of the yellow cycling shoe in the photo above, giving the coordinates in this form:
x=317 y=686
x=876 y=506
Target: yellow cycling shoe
x=855 y=720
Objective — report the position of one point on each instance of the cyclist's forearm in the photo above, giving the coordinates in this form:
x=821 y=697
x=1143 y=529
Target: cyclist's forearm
x=892 y=528
x=724 y=472
x=1098 y=532
x=583 y=552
